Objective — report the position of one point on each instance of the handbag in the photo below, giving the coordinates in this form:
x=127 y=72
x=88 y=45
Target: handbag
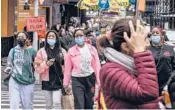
x=67 y=100
x=6 y=79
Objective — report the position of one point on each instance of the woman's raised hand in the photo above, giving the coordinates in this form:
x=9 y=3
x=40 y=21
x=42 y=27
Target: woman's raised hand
x=137 y=41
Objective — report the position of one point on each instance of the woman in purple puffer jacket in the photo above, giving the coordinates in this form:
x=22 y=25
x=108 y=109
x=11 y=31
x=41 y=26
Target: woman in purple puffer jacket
x=129 y=78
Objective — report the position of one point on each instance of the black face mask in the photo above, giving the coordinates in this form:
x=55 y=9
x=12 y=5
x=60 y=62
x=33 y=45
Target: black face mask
x=21 y=42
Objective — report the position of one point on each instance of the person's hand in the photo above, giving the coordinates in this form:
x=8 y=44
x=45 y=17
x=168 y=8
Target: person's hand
x=8 y=70
x=67 y=90
x=15 y=33
x=137 y=41
x=37 y=63
x=50 y=62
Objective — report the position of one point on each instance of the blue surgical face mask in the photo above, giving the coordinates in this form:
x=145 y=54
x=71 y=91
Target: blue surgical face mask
x=155 y=39
x=97 y=33
x=51 y=42
x=79 y=41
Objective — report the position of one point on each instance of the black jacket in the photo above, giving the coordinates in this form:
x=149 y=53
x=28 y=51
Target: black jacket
x=68 y=40
x=165 y=63
x=63 y=44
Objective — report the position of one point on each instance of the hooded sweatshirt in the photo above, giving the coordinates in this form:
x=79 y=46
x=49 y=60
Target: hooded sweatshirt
x=20 y=60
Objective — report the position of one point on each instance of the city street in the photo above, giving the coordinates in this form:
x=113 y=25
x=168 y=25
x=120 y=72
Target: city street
x=39 y=99
x=88 y=54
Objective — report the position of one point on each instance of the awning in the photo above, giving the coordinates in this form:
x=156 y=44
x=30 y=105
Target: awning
x=115 y=5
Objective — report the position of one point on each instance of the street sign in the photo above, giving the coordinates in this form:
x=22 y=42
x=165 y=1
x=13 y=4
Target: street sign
x=88 y=4
x=23 y=14
x=132 y=1
x=124 y=3
x=103 y=4
x=122 y=12
x=36 y=23
x=141 y=5
x=115 y=5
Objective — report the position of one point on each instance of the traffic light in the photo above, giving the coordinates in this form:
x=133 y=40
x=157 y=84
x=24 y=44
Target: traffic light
x=26 y=6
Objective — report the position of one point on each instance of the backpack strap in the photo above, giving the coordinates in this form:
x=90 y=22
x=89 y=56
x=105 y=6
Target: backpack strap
x=13 y=55
x=170 y=78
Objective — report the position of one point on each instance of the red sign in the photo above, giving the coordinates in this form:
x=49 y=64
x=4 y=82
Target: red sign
x=36 y=23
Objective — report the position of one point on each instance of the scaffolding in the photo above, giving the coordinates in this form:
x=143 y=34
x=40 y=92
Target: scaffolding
x=162 y=13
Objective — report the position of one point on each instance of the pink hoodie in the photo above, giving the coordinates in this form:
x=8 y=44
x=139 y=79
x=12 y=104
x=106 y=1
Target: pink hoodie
x=72 y=63
x=40 y=64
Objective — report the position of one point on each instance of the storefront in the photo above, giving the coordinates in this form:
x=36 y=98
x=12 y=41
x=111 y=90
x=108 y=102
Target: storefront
x=160 y=13
x=14 y=16
x=7 y=17
x=69 y=10
x=7 y=25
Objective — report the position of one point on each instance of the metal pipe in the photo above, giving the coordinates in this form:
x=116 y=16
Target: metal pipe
x=136 y=8
x=35 y=34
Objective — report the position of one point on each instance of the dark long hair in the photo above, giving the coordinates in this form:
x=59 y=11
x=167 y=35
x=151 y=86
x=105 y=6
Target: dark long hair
x=60 y=31
x=54 y=27
x=55 y=52
x=29 y=33
x=118 y=29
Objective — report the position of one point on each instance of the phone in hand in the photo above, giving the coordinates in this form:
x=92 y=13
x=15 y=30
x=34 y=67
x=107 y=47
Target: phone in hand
x=52 y=60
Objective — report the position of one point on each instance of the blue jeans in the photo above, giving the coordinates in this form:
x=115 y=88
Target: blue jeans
x=19 y=92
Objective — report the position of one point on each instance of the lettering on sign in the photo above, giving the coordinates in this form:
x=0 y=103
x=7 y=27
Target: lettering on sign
x=22 y=14
x=36 y=23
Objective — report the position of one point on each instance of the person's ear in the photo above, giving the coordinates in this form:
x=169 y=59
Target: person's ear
x=125 y=48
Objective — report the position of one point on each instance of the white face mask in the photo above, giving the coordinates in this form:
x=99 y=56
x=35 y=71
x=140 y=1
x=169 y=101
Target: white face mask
x=51 y=42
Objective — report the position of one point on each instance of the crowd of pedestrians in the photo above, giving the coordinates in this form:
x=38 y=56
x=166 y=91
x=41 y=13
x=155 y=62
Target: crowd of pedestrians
x=129 y=66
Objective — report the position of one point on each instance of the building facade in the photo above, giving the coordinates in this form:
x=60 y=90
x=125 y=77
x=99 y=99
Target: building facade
x=14 y=16
x=160 y=13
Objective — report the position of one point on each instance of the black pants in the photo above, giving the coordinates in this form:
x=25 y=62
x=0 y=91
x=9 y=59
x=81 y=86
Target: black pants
x=83 y=91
